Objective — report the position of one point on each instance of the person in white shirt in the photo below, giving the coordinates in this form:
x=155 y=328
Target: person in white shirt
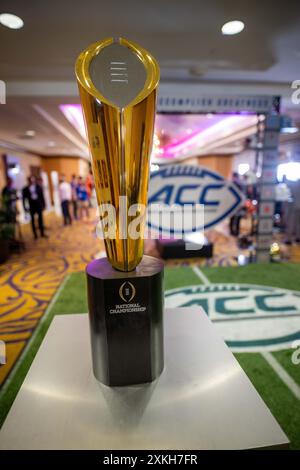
x=65 y=193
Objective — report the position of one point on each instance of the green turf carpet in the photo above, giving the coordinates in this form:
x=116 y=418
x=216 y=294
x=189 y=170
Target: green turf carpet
x=283 y=404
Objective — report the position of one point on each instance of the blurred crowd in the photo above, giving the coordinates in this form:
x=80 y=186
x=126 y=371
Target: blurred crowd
x=76 y=198
x=74 y=195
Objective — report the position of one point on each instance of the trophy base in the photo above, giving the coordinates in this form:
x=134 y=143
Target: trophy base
x=126 y=321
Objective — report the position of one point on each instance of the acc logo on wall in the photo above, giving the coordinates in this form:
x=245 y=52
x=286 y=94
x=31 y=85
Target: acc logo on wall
x=248 y=317
x=186 y=184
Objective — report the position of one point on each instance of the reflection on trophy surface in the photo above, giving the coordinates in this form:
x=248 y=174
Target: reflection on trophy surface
x=118 y=82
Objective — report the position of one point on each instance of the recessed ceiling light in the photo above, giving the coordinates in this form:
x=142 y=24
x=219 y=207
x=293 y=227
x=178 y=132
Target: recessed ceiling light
x=30 y=133
x=51 y=143
x=233 y=27
x=11 y=21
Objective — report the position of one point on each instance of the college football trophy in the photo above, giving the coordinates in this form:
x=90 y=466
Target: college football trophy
x=118 y=82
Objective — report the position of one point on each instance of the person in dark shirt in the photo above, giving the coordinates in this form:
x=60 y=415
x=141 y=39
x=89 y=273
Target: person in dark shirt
x=9 y=200
x=235 y=220
x=34 y=203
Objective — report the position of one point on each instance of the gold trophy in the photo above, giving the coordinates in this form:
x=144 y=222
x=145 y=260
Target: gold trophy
x=118 y=83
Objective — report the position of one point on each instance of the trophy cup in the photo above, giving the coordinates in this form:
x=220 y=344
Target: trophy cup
x=118 y=82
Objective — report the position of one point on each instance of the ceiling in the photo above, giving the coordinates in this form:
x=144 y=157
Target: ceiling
x=186 y=135
x=184 y=36
x=179 y=136
x=54 y=135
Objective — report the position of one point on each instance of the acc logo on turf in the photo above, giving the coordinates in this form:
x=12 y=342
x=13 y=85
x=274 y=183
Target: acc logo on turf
x=249 y=317
x=182 y=185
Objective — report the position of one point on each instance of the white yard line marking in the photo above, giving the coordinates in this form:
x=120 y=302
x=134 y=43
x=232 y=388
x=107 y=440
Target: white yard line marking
x=200 y=274
x=282 y=373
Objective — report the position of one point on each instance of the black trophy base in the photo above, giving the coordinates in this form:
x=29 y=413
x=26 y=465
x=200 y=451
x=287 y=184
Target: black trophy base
x=176 y=249
x=126 y=321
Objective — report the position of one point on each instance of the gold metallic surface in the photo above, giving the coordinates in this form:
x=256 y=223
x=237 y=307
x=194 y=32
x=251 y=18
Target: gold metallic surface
x=120 y=141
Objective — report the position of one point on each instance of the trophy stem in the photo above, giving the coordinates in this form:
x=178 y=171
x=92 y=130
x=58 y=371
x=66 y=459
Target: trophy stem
x=123 y=190
x=118 y=85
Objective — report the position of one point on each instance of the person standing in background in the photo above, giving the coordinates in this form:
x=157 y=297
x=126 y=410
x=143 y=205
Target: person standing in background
x=235 y=220
x=65 y=194
x=9 y=200
x=82 y=196
x=34 y=203
x=293 y=216
x=89 y=186
x=74 y=196
x=40 y=182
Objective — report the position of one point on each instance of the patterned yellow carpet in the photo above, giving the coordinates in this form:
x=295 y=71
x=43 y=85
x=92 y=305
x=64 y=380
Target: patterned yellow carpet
x=28 y=281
